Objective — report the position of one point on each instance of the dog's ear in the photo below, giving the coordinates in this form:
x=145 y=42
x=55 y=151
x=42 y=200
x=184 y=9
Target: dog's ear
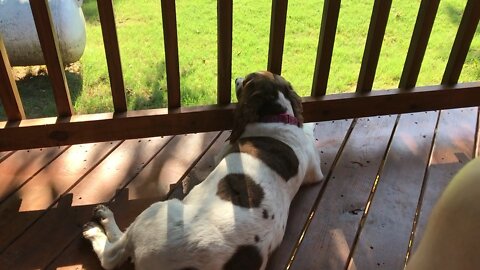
x=296 y=102
x=247 y=109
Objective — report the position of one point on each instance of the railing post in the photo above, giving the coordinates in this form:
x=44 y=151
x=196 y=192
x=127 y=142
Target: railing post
x=331 y=10
x=376 y=32
x=464 y=37
x=224 y=46
x=418 y=43
x=8 y=88
x=277 y=35
x=51 y=52
x=169 y=18
x=112 y=52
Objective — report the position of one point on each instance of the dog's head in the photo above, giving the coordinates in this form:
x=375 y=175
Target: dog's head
x=262 y=94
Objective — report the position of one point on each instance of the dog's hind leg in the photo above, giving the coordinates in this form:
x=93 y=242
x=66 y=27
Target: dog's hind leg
x=104 y=216
x=109 y=254
x=108 y=242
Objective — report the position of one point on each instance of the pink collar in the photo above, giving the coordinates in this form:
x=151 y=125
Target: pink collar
x=280 y=118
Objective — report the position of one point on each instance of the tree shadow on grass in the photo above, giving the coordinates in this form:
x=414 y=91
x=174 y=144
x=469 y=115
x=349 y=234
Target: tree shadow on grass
x=37 y=95
x=90 y=10
x=455 y=14
x=157 y=93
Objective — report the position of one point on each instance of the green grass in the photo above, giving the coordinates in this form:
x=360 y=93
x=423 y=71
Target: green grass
x=139 y=29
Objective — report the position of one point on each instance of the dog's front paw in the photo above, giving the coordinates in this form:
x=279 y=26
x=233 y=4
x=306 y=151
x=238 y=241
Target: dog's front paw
x=91 y=230
x=102 y=214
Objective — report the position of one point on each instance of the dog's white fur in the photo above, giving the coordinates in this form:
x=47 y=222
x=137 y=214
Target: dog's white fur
x=452 y=236
x=203 y=231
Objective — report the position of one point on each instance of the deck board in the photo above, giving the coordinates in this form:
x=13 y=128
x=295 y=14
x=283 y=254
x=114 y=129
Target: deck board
x=453 y=147
x=23 y=208
x=330 y=136
x=46 y=195
x=135 y=197
x=383 y=242
x=328 y=240
x=16 y=174
x=4 y=155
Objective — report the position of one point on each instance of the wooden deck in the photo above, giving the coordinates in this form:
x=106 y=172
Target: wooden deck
x=383 y=175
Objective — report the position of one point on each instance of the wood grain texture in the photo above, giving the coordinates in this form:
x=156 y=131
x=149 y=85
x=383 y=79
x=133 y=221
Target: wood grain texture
x=453 y=148
x=112 y=53
x=141 y=124
x=330 y=137
x=384 y=240
x=327 y=242
x=9 y=96
x=51 y=53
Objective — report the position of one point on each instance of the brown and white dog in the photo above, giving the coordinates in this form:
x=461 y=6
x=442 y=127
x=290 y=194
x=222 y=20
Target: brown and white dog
x=237 y=216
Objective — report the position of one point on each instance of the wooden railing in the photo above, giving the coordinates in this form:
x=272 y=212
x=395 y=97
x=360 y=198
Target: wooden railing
x=67 y=128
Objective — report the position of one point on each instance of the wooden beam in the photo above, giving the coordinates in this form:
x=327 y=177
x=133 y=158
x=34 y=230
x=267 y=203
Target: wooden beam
x=277 y=35
x=51 y=52
x=8 y=88
x=376 y=32
x=418 y=43
x=331 y=10
x=224 y=45
x=112 y=53
x=169 y=18
x=160 y=122
x=464 y=37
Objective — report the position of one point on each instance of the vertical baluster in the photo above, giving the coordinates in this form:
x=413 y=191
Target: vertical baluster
x=418 y=43
x=51 y=52
x=8 y=88
x=169 y=18
x=224 y=45
x=112 y=52
x=331 y=10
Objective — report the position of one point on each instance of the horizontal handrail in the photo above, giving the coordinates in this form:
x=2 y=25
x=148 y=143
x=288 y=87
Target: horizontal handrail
x=138 y=124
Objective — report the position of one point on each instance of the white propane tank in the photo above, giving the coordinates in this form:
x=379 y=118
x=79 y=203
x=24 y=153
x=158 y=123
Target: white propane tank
x=20 y=36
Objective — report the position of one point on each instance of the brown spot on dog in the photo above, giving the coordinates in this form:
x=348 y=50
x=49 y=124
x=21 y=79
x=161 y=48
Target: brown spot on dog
x=276 y=154
x=245 y=258
x=241 y=190
x=265 y=213
x=257 y=238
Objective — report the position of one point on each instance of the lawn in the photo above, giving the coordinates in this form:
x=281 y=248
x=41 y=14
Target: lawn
x=139 y=29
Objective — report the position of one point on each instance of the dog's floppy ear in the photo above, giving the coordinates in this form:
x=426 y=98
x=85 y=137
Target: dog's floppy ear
x=247 y=110
x=296 y=102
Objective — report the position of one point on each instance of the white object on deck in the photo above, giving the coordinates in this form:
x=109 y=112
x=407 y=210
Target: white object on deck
x=20 y=35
